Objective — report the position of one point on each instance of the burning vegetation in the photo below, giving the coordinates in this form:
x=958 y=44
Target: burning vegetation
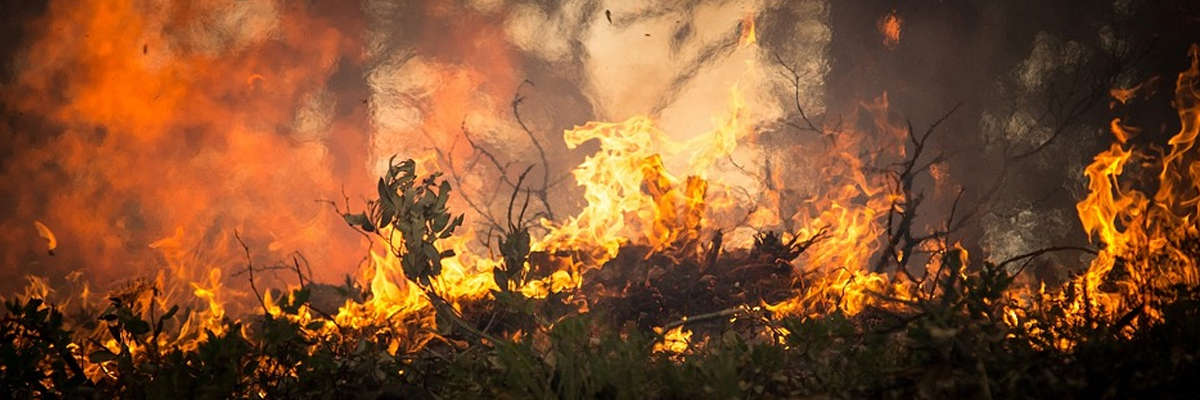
x=813 y=254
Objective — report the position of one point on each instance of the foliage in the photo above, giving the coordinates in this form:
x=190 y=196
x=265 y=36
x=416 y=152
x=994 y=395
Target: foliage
x=36 y=358
x=418 y=212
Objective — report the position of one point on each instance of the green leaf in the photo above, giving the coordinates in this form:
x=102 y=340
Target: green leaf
x=384 y=192
x=522 y=243
x=412 y=270
x=359 y=220
x=443 y=194
x=501 y=278
x=440 y=221
x=450 y=228
x=431 y=253
x=389 y=215
x=428 y=199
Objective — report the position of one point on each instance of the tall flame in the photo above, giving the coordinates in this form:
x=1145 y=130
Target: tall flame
x=1143 y=237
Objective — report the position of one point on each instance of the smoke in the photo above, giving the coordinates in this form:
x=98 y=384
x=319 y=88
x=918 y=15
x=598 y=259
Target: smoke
x=147 y=128
x=445 y=87
x=135 y=125
x=136 y=122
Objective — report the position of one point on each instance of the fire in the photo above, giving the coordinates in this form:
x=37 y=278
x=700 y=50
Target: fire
x=1143 y=235
x=640 y=189
x=1125 y=95
x=848 y=210
x=889 y=26
x=675 y=341
x=629 y=193
x=748 y=37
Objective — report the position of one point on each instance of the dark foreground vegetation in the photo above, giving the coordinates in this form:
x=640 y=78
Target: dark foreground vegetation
x=950 y=350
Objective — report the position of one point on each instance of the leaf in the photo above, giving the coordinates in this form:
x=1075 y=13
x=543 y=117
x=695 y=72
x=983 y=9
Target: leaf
x=55 y=318
x=431 y=253
x=32 y=306
x=428 y=199
x=301 y=296
x=388 y=215
x=170 y=313
x=360 y=221
x=443 y=195
x=412 y=270
x=522 y=243
x=137 y=327
x=100 y=356
x=440 y=221
x=444 y=326
x=450 y=228
x=384 y=192
x=501 y=279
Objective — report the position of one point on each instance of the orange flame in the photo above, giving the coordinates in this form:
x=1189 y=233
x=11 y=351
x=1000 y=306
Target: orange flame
x=889 y=26
x=1140 y=237
x=748 y=36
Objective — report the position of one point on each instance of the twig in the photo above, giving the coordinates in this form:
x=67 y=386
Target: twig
x=250 y=270
x=703 y=317
x=795 y=80
x=512 y=200
x=516 y=102
x=440 y=305
x=900 y=240
x=299 y=274
x=1039 y=252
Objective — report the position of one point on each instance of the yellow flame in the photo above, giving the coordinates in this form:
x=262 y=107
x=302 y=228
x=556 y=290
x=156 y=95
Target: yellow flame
x=628 y=191
x=675 y=341
x=1139 y=235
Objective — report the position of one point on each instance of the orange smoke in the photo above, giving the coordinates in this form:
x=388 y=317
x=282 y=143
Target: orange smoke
x=146 y=118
